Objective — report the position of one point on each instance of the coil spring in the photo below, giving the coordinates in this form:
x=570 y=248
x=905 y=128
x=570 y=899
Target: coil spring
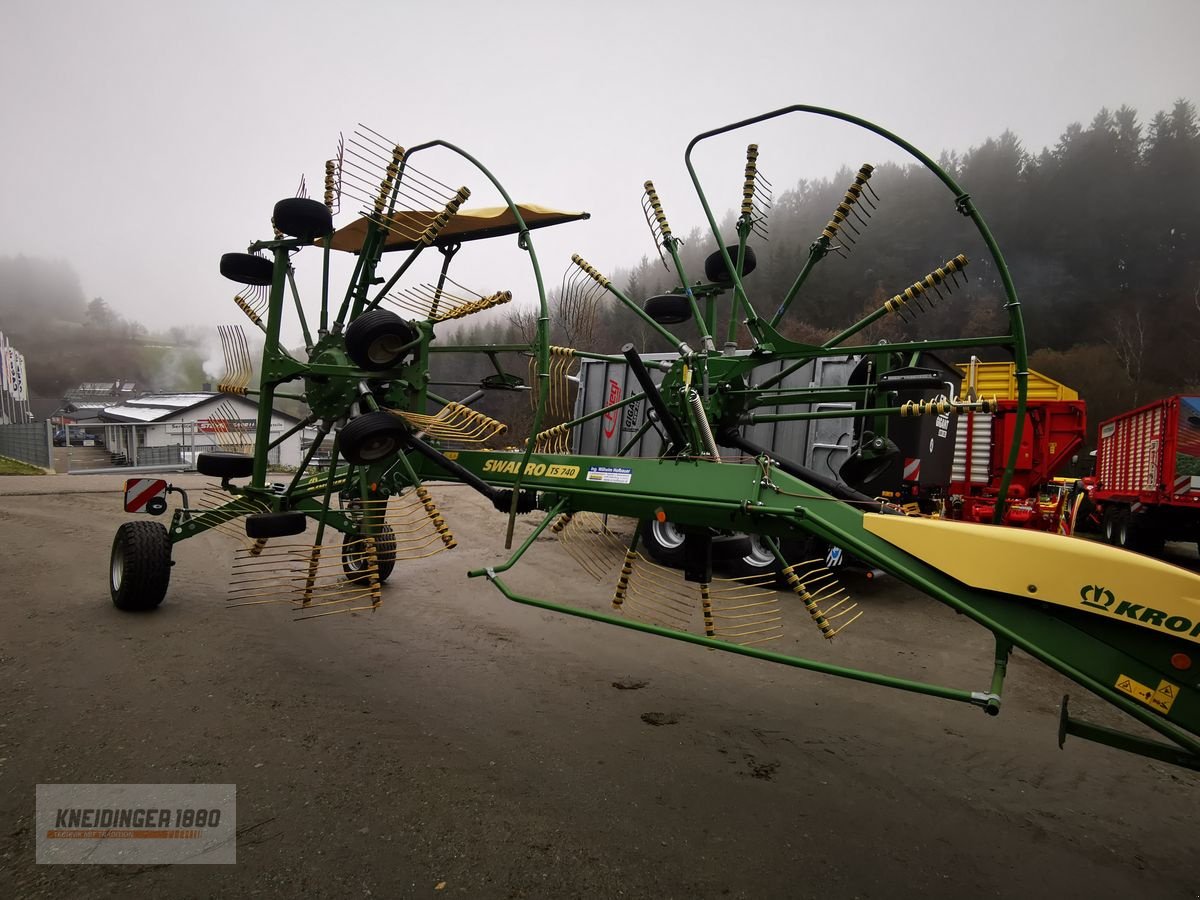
x=938 y=276
x=656 y=207
x=748 y=185
x=590 y=270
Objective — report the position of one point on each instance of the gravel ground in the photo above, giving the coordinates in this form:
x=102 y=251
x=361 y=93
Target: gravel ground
x=454 y=744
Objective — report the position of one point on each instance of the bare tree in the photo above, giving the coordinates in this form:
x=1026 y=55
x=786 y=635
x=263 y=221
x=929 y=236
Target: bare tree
x=1129 y=345
x=524 y=320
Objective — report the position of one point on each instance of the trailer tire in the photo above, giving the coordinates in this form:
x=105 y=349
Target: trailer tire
x=754 y=560
x=354 y=562
x=225 y=465
x=246 y=268
x=668 y=309
x=376 y=340
x=664 y=543
x=140 y=566
x=1112 y=522
x=370 y=438
x=273 y=525
x=717 y=272
x=758 y=561
x=1121 y=530
x=303 y=218
x=1143 y=537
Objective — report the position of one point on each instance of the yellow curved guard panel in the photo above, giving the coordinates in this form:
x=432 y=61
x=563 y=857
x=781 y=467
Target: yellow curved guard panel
x=1051 y=568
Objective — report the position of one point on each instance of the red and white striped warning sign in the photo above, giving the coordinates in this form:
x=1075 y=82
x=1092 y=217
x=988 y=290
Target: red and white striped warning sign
x=912 y=469
x=140 y=491
x=1184 y=483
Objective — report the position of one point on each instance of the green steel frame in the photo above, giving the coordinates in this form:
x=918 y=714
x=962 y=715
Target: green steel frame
x=753 y=497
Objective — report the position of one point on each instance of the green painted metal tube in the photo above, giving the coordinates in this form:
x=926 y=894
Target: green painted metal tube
x=1006 y=340
x=904 y=684
x=543 y=325
x=1120 y=740
x=271 y=351
x=308 y=341
x=680 y=346
x=312 y=451
x=525 y=544
x=323 y=327
x=755 y=418
x=856 y=327
x=637 y=436
x=595 y=414
x=701 y=324
x=816 y=253
x=963 y=204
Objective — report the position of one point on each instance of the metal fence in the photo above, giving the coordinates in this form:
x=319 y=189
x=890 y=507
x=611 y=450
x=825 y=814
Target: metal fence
x=131 y=446
x=29 y=443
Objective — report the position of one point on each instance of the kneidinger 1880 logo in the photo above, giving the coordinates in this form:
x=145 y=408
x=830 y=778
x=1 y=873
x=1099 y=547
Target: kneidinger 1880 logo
x=136 y=823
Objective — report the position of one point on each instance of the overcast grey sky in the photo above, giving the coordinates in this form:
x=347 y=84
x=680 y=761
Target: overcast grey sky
x=144 y=139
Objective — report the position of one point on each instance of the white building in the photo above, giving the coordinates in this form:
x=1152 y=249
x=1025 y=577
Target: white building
x=158 y=429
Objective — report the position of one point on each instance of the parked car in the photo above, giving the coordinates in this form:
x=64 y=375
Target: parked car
x=79 y=438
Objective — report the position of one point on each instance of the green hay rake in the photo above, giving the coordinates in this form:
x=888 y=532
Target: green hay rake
x=1124 y=627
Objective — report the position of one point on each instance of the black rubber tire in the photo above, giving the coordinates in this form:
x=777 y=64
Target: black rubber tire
x=354 y=563
x=757 y=560
x=668 y=309
x=716 y=271
x=1113 y=518
x=273 y=525
x=1143 y=537
x=1121 y=532
x=156 y=506
x=752 y=559
x=246 y=268
x=663 y=543
x=370 y=438
x=225 y=465
x=374 y=339
x=140 y=566
x=303 y=218
x=526 y=502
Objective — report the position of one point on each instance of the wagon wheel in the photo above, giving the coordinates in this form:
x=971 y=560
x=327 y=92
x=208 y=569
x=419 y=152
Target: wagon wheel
x=140 y=566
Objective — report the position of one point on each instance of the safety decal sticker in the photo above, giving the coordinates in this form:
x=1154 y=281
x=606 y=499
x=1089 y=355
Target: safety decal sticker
x=1160 y=699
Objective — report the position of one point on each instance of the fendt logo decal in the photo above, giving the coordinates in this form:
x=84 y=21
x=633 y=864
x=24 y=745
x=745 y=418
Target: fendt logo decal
x=610 y=417
x=1096 y=597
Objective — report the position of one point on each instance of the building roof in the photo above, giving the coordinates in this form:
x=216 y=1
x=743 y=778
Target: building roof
x=130 y=413
x=100 y=390
x=43 y=408
x=159 y=407
x=173 y=401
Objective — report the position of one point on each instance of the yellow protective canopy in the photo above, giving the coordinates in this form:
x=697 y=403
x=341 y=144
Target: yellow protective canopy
x=467 y=225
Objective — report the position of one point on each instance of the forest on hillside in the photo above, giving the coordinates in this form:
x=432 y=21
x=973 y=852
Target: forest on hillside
x=1101 y=233
x=67 y=339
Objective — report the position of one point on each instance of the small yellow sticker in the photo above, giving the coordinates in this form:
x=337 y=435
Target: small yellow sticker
x=1160 y=699
x=560 y=471
x=451 y=454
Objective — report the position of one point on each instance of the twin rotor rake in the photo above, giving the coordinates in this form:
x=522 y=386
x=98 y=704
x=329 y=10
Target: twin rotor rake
x=385 y=433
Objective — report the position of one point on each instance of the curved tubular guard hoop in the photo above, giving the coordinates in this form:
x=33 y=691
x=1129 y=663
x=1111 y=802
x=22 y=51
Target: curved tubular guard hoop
x=542 y=339
x=962 y=203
